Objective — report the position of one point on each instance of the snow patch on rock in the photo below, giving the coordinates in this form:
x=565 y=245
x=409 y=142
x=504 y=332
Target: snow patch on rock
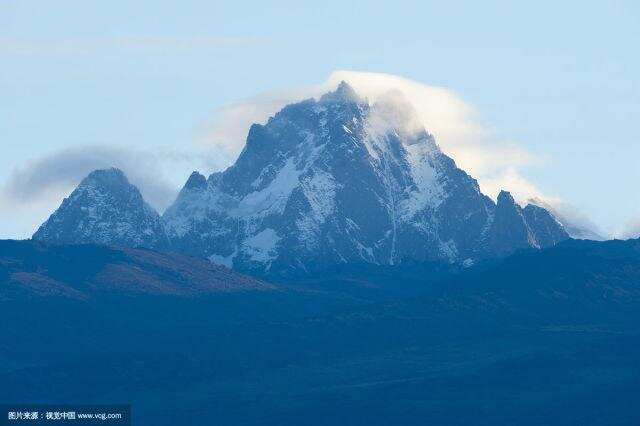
x=262 y=246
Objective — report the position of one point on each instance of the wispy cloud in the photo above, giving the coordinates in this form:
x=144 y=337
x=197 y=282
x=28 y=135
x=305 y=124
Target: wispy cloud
x=14 y=46
x=631 y=229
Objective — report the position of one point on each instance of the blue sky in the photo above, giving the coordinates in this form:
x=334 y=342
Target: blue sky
x=559 y=79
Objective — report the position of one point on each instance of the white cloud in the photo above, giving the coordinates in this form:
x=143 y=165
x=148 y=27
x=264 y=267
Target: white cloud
x=508 y=178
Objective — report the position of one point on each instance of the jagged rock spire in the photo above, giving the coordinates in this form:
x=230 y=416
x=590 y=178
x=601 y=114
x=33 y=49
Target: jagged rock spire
x=343 y=93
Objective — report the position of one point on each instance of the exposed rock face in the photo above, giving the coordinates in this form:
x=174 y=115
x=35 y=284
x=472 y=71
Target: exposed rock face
x=576 y=226
x=340 y=180
x=509 y=230
x=105 y=209
x=547 y=230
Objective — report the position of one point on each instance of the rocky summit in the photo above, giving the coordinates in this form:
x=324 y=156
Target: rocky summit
x=105 y=209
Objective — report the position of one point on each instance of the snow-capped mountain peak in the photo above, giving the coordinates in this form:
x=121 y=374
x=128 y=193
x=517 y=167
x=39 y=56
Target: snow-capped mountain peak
x=106 y=209
x=338 y=180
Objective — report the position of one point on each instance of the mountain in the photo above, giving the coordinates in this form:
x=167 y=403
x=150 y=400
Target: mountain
x=31 y=270
x=340 y=180
x=105 y=209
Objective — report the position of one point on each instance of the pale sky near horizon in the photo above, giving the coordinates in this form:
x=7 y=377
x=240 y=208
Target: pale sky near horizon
x=558 y=79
